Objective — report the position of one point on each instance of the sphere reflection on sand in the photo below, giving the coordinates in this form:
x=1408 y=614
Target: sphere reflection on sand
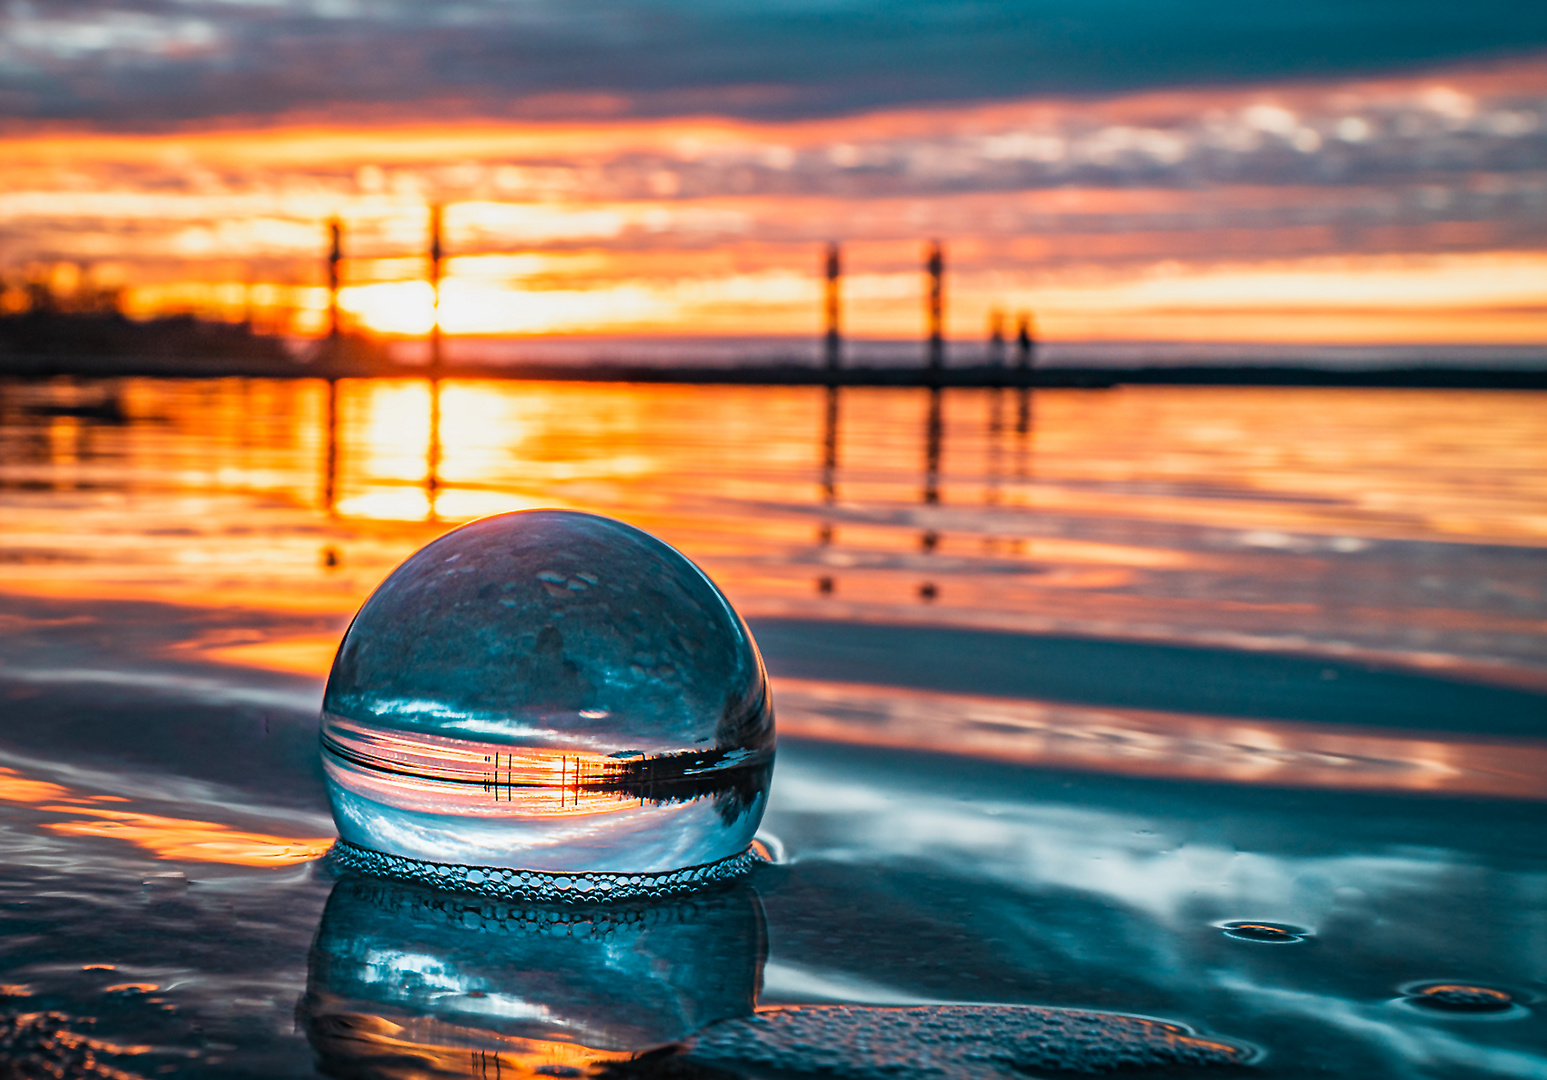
x=406 y=981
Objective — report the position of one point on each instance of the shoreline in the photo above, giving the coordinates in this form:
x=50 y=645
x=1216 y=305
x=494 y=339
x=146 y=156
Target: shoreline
x=976 y=375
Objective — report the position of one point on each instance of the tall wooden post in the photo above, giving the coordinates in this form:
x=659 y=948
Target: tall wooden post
x=432 y=465
x=335 y=256
x=832 y=342
x=935 y=267
x=436 y=253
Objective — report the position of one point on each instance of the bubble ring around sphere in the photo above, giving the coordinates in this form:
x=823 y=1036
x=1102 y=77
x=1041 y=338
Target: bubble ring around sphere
x=538 y=886
x=554 y=695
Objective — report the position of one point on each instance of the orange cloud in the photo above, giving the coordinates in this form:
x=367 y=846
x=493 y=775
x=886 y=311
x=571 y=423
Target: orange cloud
x=1278 y=213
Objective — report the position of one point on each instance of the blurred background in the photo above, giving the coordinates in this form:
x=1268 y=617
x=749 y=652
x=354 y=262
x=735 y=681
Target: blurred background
x=657 y=180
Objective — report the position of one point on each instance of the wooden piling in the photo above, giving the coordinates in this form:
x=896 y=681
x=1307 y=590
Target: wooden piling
x=335 y=257
x=832 y=342
x=935 y=267
x=436 y=253
x=432 y=464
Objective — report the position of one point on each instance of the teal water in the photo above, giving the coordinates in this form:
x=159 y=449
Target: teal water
x=964 y=810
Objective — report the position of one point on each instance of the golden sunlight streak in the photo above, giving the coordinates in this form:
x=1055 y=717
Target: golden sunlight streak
x=1146 y=743
x=163 y=837
x=311 y=654
x=389 y=422
x=198 y=841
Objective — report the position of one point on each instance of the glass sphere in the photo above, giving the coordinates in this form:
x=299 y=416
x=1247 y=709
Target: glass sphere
x=550 y=691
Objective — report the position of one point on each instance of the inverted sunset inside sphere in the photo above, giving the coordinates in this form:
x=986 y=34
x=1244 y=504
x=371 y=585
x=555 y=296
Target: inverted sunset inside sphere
x=548 y=691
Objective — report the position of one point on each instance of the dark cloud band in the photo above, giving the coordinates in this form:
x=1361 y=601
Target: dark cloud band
x=156 y=61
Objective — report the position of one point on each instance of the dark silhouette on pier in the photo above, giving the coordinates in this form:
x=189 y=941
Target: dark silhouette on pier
x=996 y=357
x=1025 y=343
x=1025 y=364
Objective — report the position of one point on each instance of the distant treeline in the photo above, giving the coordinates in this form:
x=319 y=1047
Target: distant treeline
x=40 y=332
x=41 y=342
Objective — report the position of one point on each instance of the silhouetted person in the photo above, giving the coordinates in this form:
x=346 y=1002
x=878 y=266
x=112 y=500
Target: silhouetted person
x=996 y=338
x=1025 y=343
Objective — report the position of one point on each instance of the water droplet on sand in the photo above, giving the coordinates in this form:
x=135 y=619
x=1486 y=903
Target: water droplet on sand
x=1269 y=933
x=1461 y=997
x=552 y=692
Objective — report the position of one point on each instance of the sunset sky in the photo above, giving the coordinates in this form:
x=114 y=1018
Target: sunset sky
x=1339 y=173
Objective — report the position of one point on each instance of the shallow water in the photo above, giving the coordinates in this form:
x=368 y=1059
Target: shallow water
x=1064 y=687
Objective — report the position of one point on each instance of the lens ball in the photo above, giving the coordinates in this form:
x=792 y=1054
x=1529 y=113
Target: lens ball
x=549 y=691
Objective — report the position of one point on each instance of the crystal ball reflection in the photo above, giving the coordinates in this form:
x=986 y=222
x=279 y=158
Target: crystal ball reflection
x=398 y=970
x=551 y=691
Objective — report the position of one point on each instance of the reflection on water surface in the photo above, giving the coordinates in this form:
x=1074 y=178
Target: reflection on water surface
x=1397 y=524
x=1069 y=686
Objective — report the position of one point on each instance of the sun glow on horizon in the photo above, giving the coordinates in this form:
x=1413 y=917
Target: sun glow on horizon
x=1289 y=213
x=1488 y=297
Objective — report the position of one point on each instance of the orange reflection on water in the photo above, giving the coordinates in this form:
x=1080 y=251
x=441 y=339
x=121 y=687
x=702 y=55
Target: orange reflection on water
x=16 y=788
x=182 y=838
x=1223 y=516
x=308 y=655
x=163 y=837
x=414 y=1048
x=1140 y=742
